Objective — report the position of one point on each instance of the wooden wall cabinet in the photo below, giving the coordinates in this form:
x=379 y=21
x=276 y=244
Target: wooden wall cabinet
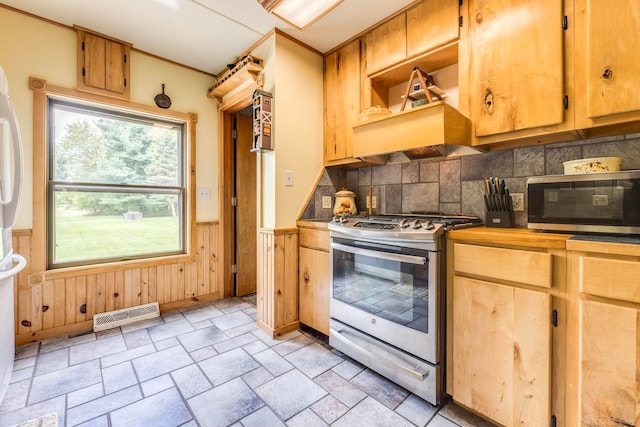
x=517 y=77
x=607 y=68
x=341 y=102
x=422 y=28
x=606 y=333
x=103 y=64
x=314 y=278
x=502 y=343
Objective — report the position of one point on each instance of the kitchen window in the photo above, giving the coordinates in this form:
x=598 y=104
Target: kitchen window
x=116 y=185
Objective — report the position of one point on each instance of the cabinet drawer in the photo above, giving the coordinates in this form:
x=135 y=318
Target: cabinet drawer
x=526 y=267
x=610 y=278
x=316 y=239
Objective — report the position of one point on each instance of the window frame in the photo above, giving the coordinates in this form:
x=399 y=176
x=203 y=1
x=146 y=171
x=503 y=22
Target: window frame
x=53 y=184
x=42 y=92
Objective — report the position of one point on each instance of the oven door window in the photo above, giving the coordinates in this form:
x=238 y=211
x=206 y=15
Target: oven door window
x=389 y=282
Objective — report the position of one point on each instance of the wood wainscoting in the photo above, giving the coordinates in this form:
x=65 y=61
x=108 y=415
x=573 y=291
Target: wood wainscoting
x=62 y=302
x=277 y=293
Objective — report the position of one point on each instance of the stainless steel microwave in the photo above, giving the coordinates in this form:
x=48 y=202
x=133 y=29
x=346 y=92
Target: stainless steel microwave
x=589 y=203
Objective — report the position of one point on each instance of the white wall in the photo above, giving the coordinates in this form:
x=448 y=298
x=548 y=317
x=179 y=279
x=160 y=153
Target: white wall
x=33 y=47
x=293 y=75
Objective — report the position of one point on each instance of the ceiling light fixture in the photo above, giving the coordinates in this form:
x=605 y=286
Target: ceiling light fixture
x=299 y=13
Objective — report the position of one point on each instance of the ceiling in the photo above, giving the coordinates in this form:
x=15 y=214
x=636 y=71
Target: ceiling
x=205 y=34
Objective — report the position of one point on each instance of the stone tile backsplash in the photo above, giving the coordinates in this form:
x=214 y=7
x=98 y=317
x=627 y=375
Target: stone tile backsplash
x=454 y=185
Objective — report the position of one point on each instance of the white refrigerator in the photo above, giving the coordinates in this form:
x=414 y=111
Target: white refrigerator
x=10 y=263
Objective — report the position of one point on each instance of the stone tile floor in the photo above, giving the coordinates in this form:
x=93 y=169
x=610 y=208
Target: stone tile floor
x=208 y=365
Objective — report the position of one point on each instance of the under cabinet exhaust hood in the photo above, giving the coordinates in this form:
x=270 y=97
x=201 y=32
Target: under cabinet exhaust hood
x=432 y=130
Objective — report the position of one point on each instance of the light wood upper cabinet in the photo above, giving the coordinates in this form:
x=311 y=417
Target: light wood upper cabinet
x=387 y=44
x=103 y=64
x=341 y=101
x=608 y=69
x=313 y=279
x=517 y=77
x=425 y=27
x=431 y=24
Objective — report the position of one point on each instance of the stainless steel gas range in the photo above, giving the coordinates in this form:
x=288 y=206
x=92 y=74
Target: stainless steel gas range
x=387 y=296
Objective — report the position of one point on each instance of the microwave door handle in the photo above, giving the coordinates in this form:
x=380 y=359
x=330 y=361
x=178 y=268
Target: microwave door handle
x=411 y=259
x=11 y=201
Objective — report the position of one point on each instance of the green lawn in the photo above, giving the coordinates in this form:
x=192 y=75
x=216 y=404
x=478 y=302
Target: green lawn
x=81 y=237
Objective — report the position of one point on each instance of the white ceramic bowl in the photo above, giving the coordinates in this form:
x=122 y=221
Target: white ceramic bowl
x=594 y=165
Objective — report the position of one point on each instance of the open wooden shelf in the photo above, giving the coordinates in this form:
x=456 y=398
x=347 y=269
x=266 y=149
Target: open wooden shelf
x=248 y=69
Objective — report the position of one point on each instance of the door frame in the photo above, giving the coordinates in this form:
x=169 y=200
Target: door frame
x=226 y=179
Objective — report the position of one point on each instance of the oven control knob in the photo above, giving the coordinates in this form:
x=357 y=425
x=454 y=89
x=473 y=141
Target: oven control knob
x=373 y=321
x=404 y=223
x=415 y=224
x=428 y=225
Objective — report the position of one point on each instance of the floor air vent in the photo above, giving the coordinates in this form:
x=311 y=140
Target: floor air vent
x=113 y=319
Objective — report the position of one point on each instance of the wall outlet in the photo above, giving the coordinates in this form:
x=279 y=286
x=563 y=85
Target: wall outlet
x=517 y=201
x=326 y=202
x=372 y=202
x=204 y=193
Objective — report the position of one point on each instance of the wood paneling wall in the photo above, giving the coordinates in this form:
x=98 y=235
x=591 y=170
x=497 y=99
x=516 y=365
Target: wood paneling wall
x=277 y=287
x=57 y=303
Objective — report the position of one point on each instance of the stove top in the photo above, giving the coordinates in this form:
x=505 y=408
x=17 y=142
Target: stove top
x=411 y=226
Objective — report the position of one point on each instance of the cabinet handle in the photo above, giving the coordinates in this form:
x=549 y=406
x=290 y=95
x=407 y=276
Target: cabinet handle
x=306 y=277
x=479 y=18
x=607 y=74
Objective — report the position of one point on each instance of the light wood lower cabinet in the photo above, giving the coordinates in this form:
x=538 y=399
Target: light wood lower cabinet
x=313 y=279
x=502 y=358
x=501 y=302
x=605 y=341
x=609 y=365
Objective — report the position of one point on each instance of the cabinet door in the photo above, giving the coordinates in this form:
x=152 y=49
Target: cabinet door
x=431 y=24
x=341 y=101
x=610 y=365
x=387 y=44
x=103 y=65
x=502 y=351
x=517 y=60
x=609 y=36
x=314 y=289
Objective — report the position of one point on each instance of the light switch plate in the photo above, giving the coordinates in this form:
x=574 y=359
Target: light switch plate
x=288 y=178
x=204 y=193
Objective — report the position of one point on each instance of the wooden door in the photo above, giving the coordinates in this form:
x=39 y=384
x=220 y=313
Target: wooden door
x=246 y=224
x=609 y=365
x=502 y=351
x=314 y=289
x=517 y=65
x=609 y=35
x=342 y=101
x=387 y=44
x=431 y=24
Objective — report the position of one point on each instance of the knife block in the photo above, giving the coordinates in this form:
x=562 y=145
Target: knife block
x=501 y=218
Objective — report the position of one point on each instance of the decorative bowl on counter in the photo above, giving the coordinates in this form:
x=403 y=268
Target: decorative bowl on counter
x=593 y=165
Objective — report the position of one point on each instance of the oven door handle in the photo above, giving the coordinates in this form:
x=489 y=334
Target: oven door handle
x=379 y=358
x=411 y=259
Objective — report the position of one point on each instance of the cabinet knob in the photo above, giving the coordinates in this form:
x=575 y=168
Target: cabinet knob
x=305 y=277
x=479 y=18
x=488 y=102
x=607 y=74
